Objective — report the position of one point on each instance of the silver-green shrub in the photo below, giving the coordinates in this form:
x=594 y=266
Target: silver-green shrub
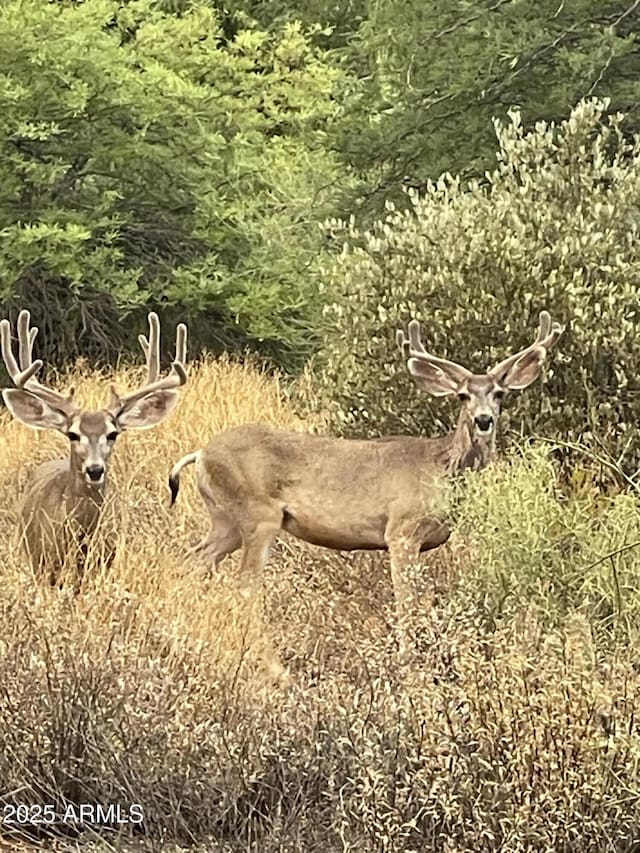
x=553 y=226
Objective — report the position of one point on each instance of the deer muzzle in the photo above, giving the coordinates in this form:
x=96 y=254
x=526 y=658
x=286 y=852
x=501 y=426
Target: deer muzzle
x=484 y=424
x=94 y=474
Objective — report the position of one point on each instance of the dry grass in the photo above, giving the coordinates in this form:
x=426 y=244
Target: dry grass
x=515 y=729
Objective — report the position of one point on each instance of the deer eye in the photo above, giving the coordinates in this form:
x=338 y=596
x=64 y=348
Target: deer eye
x=463 y=397
x=111 y=436
x=73 y=436
x=498 y=394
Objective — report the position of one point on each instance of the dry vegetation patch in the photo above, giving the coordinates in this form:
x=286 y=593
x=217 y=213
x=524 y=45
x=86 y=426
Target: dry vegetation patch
x=514 y=729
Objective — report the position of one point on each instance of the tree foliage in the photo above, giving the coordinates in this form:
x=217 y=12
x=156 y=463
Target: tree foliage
x=555 y=226
x=147 y=159
x=431 y=76
x=182 y=154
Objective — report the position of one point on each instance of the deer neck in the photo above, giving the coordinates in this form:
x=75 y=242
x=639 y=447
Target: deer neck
x=467 y=449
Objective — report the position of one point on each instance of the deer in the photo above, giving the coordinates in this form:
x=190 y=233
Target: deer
x=355 y=494
x=63 y=504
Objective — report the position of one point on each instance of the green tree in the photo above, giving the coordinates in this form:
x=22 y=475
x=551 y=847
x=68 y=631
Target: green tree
x=429 y=77
x=149 y=160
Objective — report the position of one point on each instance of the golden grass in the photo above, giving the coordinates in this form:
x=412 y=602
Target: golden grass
x=511 y=733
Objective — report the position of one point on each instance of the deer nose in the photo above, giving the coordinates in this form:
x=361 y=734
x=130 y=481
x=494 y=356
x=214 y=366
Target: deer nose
x=484 y=422
x=95 y=472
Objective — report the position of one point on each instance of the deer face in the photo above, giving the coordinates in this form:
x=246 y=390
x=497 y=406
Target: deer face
x=481 y=398
x=480 y=394
x=92 y=436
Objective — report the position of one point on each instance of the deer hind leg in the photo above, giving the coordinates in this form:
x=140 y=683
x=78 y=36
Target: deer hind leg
x=257 y=539
x=224 y=536
x=223 y=539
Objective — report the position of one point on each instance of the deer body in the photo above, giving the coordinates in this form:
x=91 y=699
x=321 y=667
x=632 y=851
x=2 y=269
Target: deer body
x=380 y=494
x=304 y=479
x=62 y=507
x=59 y=513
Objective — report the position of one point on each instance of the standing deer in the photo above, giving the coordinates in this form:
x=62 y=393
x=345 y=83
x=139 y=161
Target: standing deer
x=346 y=494
x=63 y=504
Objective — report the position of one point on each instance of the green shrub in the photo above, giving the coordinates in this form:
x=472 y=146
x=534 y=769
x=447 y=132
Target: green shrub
x=553 y=226
x=531 y=542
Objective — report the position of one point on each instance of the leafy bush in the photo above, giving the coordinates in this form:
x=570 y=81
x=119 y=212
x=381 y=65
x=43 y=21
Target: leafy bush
x=531 y=541
x=147 y=158
x=427 y=93
x=554 y=226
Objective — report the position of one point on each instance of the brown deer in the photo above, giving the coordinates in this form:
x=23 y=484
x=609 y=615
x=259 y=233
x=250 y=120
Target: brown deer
x=346 y=494
x=63 y=503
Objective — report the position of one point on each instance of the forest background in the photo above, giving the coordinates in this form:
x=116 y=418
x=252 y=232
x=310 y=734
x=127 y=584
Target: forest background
x=300 y=181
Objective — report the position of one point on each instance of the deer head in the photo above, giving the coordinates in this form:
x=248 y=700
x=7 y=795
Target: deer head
x=481 y=394
x=91 y=434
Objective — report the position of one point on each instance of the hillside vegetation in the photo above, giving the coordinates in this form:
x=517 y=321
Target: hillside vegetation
x=183 y=155
x=514 y=729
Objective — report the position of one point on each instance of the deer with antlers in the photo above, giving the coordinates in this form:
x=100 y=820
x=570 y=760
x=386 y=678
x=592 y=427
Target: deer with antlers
x=63 y=504
x=346 y=494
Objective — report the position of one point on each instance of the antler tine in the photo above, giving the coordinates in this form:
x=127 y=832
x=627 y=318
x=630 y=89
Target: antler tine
x=26 y=338
x=181 y=344
x=414 y=348
x=19 y=377
x=151 y=348
x=547 y=336
x=23 y=374
x=403 y=343
x=7 y=351
x=552 y=336
x=544 y=325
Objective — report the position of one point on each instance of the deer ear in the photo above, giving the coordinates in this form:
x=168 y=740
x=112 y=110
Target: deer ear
x=147 y=411
x=524 y=371
x=431 y=378
x=33 y=411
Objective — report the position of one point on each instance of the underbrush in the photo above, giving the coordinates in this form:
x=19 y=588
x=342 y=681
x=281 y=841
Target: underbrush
x=514 y=729
x=564 y=551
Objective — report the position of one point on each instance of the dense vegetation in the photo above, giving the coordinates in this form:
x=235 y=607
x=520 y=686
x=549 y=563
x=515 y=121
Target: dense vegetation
x=515 y=729
x=149 y=158
x=300 y=181
x=183 y=154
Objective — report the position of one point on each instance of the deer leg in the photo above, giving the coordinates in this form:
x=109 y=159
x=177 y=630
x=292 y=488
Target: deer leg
x=256 y=543
x=257 y=540
x=405 y=541
x=402 y=553
x=223 y=539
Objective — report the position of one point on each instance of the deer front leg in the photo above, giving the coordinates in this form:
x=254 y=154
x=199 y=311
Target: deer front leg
x=403 y=552
x=405 y=540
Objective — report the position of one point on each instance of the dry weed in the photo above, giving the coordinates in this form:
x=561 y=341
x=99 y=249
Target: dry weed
x=515 y=729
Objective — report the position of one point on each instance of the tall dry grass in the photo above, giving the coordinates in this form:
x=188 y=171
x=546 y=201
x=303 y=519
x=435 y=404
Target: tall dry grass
x=514 y=729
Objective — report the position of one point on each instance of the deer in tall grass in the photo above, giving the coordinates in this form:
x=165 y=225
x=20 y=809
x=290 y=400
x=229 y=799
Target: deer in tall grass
x=347 y=494
x=63 y=504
